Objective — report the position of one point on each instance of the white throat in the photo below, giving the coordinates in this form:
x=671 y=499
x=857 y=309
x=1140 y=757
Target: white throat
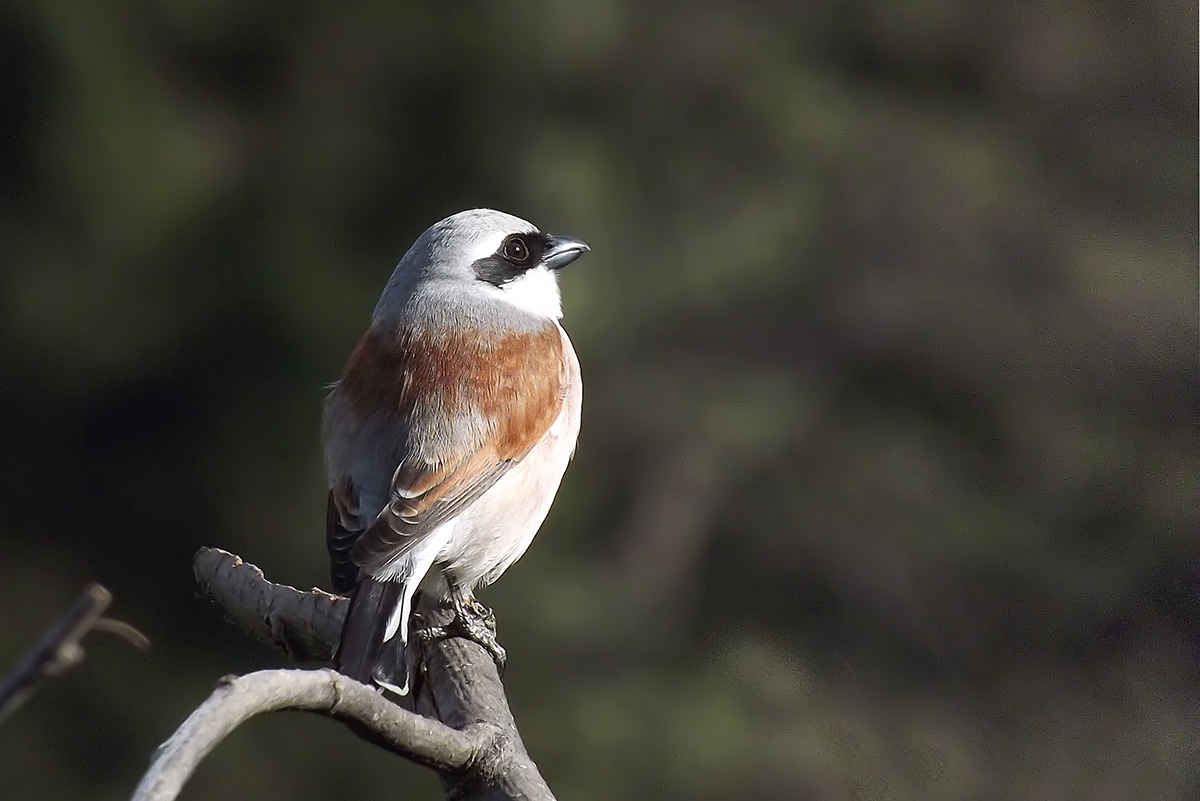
x=534 y=291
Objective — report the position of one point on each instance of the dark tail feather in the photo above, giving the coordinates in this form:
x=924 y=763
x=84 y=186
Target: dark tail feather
x=362 y=654
x=391 y=667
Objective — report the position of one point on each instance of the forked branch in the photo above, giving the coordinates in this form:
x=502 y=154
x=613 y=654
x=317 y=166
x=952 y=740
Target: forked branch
x=61 y=647
x=464 y=729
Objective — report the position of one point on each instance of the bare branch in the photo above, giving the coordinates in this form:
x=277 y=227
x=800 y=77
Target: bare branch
x=237 y=699
x=303 y=625
x=61 y=647
x=475 y=747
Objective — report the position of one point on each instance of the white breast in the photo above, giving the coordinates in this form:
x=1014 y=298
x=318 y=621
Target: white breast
x=497 y=529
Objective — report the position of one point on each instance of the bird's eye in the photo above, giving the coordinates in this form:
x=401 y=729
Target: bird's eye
x=515 y=250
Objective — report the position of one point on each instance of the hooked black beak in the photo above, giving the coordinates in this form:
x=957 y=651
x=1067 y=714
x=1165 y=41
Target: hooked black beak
x=562 y=250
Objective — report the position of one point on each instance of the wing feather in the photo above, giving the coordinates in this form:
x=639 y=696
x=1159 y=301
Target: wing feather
x=339 y=540
x=463 y=409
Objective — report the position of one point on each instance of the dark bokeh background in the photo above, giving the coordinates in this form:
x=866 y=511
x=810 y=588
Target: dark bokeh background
x=888 y=480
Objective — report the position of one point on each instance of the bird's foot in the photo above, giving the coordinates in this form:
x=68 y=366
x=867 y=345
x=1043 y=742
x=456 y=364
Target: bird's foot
x=473 y=621
x=469 y=608
x=478 y=623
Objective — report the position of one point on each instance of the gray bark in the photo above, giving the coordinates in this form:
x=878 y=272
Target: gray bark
x=462 y=726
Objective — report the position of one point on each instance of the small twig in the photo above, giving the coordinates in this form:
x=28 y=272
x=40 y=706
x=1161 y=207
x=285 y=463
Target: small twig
x=325 y=692
x=61 y=646
x=119 y=628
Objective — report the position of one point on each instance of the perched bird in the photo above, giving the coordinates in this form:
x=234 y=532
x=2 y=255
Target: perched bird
x=448 y=433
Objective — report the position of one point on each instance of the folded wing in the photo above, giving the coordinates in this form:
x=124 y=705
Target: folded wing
x=460 y=410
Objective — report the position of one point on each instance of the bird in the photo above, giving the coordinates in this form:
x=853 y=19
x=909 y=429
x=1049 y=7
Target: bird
x=447 y=434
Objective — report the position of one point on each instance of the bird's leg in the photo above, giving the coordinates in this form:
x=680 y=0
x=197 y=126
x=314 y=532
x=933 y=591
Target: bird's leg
x=478 y=623
x=472 y=620
x=475 y=622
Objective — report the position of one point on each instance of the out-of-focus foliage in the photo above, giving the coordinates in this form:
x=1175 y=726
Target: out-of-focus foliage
x=889 y=474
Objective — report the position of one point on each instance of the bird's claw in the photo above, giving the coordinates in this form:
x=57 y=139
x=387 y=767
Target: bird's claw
x=473 y=621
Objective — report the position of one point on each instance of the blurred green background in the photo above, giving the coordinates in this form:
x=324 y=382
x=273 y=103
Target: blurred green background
x=888 y=480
